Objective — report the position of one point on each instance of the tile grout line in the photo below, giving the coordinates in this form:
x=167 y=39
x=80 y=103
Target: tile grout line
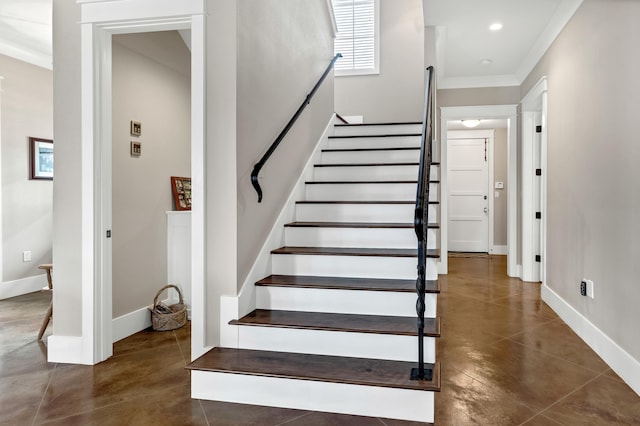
x=204 y=413
x=44 y=394
x=566 y=396
x=294 y=419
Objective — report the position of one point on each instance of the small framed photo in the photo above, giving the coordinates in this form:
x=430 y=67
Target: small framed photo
x=136 y=128
x=136 y=148
x=181 y=187
x=41 y=158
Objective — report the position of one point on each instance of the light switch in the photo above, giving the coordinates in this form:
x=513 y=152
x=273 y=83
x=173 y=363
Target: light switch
x=497 y=194
x=499 y=185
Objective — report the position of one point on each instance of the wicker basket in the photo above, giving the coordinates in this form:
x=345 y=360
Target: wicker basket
x=165 y=318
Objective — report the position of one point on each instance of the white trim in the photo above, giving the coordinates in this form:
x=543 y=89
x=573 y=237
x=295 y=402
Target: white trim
x=485 y=111
x=100 y=21
x=69 y=350
x=500 y=250
x=564 y=12
x=534 y=103
x=131 y=323
x=620 y=361
x=332 y=17
x=478 y=81
x=22 y=286
x=234 y=307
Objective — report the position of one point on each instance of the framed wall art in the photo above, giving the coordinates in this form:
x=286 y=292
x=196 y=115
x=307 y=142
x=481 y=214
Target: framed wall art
x=41 y=158
x=181 y=187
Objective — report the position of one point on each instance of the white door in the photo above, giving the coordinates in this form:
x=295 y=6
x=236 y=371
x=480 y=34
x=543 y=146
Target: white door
x=467 y=168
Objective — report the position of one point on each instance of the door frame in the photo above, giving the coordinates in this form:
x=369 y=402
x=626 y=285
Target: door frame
x=478 y=134
x=99 y=21
x=534 y=104
x=509 y=112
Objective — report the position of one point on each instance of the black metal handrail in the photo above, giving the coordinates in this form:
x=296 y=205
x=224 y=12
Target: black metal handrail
x=421 y=222
x=258 y=166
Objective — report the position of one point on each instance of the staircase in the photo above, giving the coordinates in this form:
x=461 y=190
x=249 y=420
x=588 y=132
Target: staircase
x=335 y=325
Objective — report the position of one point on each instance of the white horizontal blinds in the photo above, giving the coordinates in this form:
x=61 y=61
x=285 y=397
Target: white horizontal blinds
x=356 y=34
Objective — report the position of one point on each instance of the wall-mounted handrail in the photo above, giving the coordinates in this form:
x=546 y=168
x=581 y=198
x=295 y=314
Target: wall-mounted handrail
x=258 y=166
x=421 y=222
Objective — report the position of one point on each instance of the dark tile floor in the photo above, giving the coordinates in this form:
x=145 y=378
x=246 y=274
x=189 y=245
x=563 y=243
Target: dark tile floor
x=507 y=359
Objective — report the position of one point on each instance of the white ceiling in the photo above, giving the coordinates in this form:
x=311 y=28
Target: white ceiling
x=25 y=31
x=463 y=38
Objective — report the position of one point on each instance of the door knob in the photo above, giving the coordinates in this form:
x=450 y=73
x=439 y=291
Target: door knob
x=486 y=210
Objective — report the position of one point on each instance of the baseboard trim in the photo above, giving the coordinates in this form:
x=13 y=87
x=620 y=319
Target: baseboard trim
x=22 y=286
x=500 y=250
x=68 y=350
x=131 y=323
x=620 y=361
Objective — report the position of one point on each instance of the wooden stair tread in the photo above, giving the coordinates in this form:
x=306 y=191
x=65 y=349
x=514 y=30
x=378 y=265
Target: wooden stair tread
x=382 y=123
x=356 y=225
x=388 y=135
x=399 y=148
x=324 y=368
x=341 y=182
x=344 y=283
x=354 y=251
x=376 y=324
x=360 y=202
x=366 y=164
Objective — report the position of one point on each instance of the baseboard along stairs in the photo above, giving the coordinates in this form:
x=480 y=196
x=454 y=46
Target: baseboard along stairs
x=335 y=325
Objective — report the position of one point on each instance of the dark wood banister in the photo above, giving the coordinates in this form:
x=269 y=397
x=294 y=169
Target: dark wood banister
x=341 y=118
x=258 y=166
x=421 y=222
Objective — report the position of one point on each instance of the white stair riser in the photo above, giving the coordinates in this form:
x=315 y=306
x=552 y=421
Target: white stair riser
x=349 y=266
x=366 y=192
x=354 y=237
x=364 y=173
x=360 y=157
x=335 y=343
x=374 y=142
x=342 y=398
x=362 y=302
x=396 y=129
x=398 y=213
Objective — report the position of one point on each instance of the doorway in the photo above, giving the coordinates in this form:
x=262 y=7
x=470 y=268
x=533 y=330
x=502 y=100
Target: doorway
x=97 y=30
x=469 y=162
x=151 y=142
x=503 y=112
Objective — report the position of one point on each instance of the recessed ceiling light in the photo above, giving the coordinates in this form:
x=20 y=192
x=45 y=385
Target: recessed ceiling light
x=496 y=26
x=486 y=62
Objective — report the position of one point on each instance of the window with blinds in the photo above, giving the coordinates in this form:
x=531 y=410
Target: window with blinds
x=357 y=37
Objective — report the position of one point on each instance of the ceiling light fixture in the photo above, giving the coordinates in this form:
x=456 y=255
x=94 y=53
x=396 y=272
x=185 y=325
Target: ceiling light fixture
x=497 y=26
x=471 y=123
x=486 y=62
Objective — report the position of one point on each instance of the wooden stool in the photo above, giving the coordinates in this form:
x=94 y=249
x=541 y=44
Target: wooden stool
x=47 y=267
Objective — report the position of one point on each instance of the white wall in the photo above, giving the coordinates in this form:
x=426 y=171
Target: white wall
x=397 y=93
x=27 y=110
x=284 y=47
x=151 y=84
x=593 y=174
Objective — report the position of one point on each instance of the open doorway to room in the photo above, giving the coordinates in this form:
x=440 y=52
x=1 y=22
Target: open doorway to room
x=491 y=185
x=151 y=142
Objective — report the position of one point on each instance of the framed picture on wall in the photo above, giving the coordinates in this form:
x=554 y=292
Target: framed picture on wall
x=41 y=158
x=181 y=187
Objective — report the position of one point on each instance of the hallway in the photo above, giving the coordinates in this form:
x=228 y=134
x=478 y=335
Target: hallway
x=507 y=359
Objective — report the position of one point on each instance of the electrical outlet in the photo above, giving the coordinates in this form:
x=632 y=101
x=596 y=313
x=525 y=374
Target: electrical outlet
x=590 y=289
x=26 y=256
x=583 y=288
